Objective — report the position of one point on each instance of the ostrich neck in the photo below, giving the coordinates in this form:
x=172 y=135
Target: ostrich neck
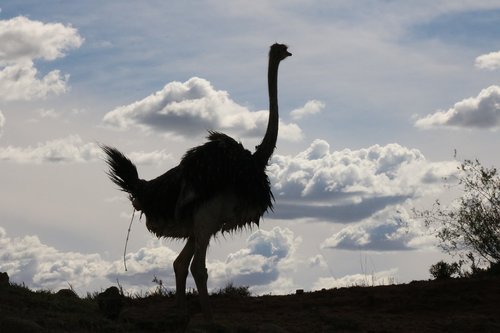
x=266 y=148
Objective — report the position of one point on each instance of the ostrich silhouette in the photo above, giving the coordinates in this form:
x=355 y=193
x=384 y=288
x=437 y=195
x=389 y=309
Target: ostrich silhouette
x=218 y=186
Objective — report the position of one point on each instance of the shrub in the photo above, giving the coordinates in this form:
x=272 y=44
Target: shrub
x=442 y=270
x=231 y=290
x=472 y=224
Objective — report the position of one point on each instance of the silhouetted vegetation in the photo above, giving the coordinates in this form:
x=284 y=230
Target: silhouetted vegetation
x=470 y=226
x=233 y=291
x=443 y=270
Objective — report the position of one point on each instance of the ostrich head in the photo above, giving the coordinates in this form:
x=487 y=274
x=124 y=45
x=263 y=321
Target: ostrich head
x=279 y=52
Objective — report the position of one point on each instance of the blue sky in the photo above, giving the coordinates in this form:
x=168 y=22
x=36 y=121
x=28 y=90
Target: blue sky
x=373 y=102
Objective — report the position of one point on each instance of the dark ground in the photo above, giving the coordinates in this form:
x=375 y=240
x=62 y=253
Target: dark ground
x=455 y=305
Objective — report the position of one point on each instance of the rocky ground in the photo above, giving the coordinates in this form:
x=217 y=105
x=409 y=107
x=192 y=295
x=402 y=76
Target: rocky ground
x=454 y=305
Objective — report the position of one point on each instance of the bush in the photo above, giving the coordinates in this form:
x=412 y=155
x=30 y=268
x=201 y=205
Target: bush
x=472 y=223
x=442 y=270
x=231 y=290
x=492 y=270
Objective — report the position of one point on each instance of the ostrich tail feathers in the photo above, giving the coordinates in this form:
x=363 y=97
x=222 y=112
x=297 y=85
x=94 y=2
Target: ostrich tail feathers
x=122 y=171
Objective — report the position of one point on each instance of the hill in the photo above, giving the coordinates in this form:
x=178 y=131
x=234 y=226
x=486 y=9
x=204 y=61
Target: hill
x=454 y=305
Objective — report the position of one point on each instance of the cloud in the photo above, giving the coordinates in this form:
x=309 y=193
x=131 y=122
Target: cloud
x=317 y=261
x=19 y=81
x=154 y=157
x=28 y=260
x=72 y=149
x=2 y=122
x=350 y=185
x=490 y=61
x=191 y=108
x=372 y=279
x=48 y=113
x=24 y=39
x=311 y=107
x=482 y=111
x=21 y=42
x=259 y=262
x=156 y=259
x=392 y=229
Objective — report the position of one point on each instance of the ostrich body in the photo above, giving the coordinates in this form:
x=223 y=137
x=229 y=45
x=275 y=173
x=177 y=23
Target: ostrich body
x=218 y=186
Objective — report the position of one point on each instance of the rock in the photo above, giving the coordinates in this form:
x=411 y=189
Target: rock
x=110 y=302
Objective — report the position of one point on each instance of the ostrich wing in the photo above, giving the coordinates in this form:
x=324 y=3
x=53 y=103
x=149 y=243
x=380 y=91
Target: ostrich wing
x=219 y=166
x=223 y=165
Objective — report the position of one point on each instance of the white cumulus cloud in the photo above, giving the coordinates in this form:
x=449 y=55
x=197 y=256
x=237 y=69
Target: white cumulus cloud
x=372 y=279
x=191 y=108
x=350 y=185
x=489 y=61
x=72 y=149
x=258 y=265
x=25 y=39
x=392 y=229
x=311 y=107
x=155 y=259
x=482 y=111
x=259 y=262
x=20 y=81
x=22 y=41
x=69 y=149
x=317 y=261
x=26 y=259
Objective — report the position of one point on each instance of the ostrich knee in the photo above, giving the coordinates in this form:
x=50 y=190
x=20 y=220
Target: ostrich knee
x=199 y=272
x=200 y=276
x=181 y=268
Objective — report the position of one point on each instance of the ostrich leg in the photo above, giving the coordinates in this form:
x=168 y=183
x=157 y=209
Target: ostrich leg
x=181 y=269
x=200 y=275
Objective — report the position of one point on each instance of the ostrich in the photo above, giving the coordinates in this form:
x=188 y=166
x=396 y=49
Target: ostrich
x=218 y=186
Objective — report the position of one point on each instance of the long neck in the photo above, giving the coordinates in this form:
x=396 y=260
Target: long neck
x=266 y=148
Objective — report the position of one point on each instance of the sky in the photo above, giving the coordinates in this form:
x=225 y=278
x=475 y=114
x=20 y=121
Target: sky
x=374 y=102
